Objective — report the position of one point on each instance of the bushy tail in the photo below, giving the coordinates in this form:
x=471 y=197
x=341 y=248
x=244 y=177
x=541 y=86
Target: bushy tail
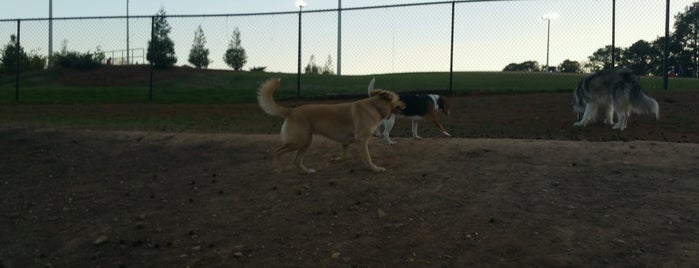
x=640 y=102
x=266 y=99
x=646 y=105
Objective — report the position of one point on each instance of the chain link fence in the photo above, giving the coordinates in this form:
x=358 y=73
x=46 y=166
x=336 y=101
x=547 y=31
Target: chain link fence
x=452 y=36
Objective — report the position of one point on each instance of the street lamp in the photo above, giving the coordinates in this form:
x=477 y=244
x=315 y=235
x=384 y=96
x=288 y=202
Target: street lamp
x=300 y=4
x=548 y=17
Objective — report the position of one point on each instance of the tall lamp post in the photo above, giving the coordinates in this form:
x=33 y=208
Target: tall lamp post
x=128 y=49
x=548 y=17
x=50 y=33
x=300 y=4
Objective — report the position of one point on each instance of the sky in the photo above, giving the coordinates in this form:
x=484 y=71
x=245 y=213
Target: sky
x=488 y=35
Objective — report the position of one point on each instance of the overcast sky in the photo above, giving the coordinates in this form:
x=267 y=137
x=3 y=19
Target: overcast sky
x=488 y=35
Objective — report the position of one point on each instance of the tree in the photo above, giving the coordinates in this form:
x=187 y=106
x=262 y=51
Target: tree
x=312 y=67
x=640 y=57
x=527 y=66
x=9 y=57
x=569 y=66
x=199 y=55
x=235 y=54
x=686 y=39
x=328 y=67
x=601 y=59
x=161 y=49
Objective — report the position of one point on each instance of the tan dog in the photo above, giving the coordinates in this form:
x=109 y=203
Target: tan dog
x=346 y=123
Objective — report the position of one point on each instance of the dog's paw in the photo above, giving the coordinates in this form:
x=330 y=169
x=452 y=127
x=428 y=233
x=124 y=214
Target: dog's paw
x=310 y=171
x=391 y=142
x=378 y=169
x=447 y=134
x=579 y=124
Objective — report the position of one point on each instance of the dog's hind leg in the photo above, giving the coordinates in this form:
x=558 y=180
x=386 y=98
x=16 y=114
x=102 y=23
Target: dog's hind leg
x=281 y=150
x=435 y=120
x=299 y=161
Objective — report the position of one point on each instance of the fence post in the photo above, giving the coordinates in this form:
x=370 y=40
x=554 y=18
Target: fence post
x=152 y=40
x=17 y=54
x=298 y=70
x=666 y=51
x=451 y=56
x=613 y=32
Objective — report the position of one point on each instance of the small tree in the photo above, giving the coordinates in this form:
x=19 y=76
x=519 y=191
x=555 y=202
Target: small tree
x=569 y=66
x=527 y=66
x=312 y=67
x=199 y=55
x=601 y=59
x=235 y=54
x=328 y=68
x=9 y=57
x=161 y=49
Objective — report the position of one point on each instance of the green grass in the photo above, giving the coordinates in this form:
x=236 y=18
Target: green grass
x=217 y=87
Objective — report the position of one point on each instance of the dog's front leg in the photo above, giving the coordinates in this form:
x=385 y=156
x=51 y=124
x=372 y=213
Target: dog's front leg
x=609 y=119
x=414 y=129
x=589 y=112
x=364 y=151
x=388 y=126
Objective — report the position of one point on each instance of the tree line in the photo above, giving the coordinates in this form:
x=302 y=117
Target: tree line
x=642 y=57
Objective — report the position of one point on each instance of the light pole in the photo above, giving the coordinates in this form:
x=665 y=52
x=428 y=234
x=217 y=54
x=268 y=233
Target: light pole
x=50 y=32
x=128 y=50
x=301 y=4
x=548 y=17
x=339 y=37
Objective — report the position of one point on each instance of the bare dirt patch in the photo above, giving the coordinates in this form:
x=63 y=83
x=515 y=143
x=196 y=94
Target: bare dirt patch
x=555 y=196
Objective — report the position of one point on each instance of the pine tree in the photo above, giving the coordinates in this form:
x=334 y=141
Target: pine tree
x=199 y=55
x=235 y=55
x=161 y=49
x=8 y=59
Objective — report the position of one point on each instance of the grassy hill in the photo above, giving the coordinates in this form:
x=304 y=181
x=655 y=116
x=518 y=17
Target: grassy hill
x=130 y=84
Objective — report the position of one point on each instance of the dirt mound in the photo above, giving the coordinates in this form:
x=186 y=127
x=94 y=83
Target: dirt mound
x=85 y=198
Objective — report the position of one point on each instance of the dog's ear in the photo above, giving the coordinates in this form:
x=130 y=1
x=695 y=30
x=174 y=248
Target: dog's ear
x=383 y=94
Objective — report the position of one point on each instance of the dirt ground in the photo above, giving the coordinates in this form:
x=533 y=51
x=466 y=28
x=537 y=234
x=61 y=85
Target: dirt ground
x=518 y=186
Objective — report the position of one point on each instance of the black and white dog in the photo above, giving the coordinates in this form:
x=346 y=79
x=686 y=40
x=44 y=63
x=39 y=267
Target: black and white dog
x=417 y=107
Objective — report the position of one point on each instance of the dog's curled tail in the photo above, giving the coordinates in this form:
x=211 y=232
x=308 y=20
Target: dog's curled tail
x=371 y=86
x=266 y=99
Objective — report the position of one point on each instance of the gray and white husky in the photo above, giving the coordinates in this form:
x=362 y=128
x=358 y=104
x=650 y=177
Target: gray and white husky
x=613 y=90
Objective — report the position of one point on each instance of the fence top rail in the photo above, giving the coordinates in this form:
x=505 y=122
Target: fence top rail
x=257 y=13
